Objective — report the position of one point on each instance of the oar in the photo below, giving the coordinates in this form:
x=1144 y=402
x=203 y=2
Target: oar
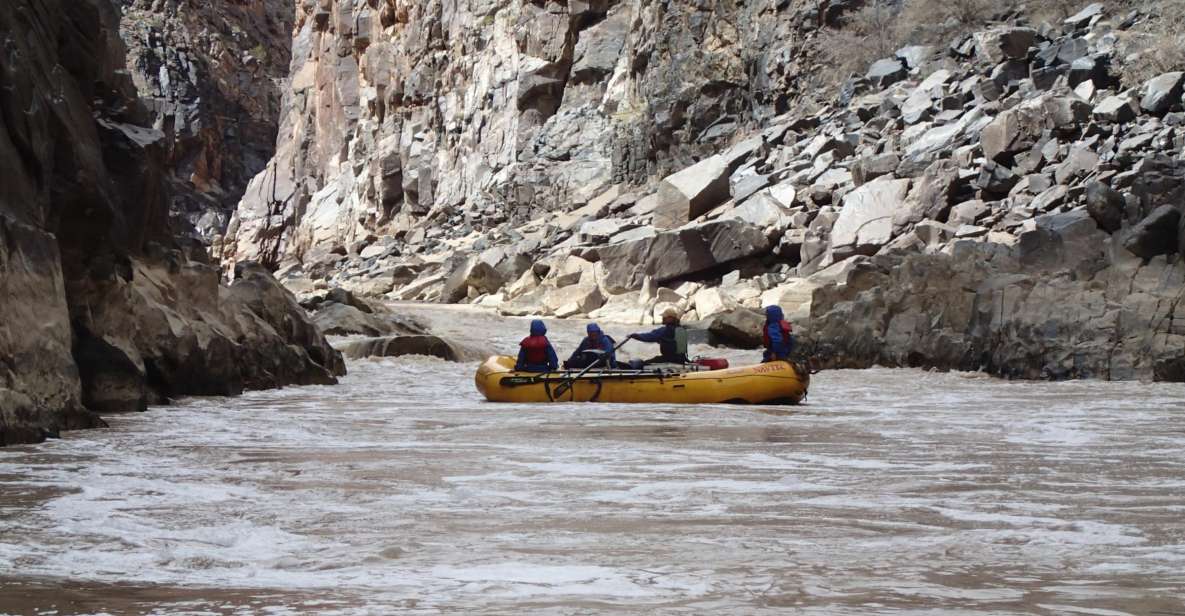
x=559 y=391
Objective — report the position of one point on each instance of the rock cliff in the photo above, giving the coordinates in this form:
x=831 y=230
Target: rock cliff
x=409 y=124
x=1005 y=199
x=103 y=307
x=211 y=75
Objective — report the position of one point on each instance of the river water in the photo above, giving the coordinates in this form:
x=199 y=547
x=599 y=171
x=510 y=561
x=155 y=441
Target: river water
x=400 y=490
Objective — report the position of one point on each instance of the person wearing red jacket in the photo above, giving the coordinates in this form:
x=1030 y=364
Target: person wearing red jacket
x=535 y=353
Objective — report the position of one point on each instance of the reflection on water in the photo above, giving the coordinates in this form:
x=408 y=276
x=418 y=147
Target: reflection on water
x=890 y=492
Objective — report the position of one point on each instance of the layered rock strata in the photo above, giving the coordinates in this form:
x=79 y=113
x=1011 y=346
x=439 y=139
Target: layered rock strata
x=102 y=308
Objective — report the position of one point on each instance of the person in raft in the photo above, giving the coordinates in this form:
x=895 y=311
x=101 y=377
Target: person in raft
x=671 y=339
x=777 y=336
x=595 y=349
x=535 y=353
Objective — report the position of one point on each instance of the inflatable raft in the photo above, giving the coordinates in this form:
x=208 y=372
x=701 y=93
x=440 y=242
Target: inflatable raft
x=776 y=382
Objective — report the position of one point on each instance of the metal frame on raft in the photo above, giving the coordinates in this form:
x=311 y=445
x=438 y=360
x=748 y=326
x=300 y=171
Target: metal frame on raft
x=660 y=374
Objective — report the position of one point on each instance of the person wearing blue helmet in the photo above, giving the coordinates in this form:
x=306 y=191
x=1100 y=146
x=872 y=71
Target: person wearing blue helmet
x=535 y=352
x=777 y=335
x=596 y=349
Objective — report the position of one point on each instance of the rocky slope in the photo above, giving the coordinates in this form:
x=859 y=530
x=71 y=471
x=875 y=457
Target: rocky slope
x=210 y=75
x=408 y=124
x=102 y=307
x=1004 y=201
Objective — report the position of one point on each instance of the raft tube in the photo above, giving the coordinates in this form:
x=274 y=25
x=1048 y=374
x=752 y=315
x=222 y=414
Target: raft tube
x=778 y=382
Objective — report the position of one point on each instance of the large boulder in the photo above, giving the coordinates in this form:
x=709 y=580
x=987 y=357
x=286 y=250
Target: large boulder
x=1163 y=92
x=692 y=192
x=886 y=72
x=674 y=254
x=573 y=300
x=712 y=301
x=336 y=319
x=1007 y=43
x=865 y=222
x=740 y=327
x=794 y=297
x=398 y=346
x=1156 y=234
x=1105 y=206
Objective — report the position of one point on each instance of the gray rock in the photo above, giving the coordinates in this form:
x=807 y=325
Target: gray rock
x=1162 y=93
x=1085 y=16
x=996 y=179
x=677 y=253
x=398 y=346
x=915 y=55
x=1007 y=43
x=1080 y=161
x=336 y=319
x=1119 y=108
x=1105 y=206
x=865 y=222
x=1156 y=234
x=868 y=168
x=740 y=327
x=886 y=72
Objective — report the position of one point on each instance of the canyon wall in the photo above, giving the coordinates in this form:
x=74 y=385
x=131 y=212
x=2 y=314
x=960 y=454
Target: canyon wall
x=1005 y=198
x=421 y=122
x=104 y=305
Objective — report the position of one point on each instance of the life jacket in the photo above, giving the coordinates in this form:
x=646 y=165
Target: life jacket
x=536 y=347
x=786 y=330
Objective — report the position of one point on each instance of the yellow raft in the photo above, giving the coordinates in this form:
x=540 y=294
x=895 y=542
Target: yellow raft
x=778 y=382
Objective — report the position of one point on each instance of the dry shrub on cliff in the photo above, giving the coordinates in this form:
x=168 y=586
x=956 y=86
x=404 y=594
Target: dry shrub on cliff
x=1155 y=45
x=936 y=22
x=863 y=37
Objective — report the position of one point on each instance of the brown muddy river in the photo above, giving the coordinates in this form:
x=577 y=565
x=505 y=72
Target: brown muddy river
x=401 y=491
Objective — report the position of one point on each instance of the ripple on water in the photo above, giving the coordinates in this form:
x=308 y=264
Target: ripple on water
x=890 y=492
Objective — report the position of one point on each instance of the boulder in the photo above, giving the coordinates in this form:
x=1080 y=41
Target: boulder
x=1116 y=108
x=1105 y=206
x=996 y=179
x=681 y=252
x=692 y=192
x=571 y=270
x=336 y=319
x=1080 y=161
x=1156 y=234
x=1007 y=43
x=573 y=300
x=1162 y=93
x=467 y=272
x=761 y=211
x=886 y=72
x=712 y=301
x=794 y=297
x=740 y=328
x=1085 y=16
x=865 y=222
x=868 y=168
x=398 y=346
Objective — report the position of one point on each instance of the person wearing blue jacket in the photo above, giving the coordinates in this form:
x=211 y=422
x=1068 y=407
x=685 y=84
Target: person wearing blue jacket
x=671 y=339
x=535 y=353
x=779 y=341
x=595 y=349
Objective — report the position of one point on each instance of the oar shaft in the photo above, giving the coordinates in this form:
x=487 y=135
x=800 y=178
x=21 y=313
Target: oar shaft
x=572 y=381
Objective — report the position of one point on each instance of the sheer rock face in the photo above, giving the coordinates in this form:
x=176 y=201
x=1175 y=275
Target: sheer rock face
x=459 y=116
x=211 y=76
x=102 y=308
